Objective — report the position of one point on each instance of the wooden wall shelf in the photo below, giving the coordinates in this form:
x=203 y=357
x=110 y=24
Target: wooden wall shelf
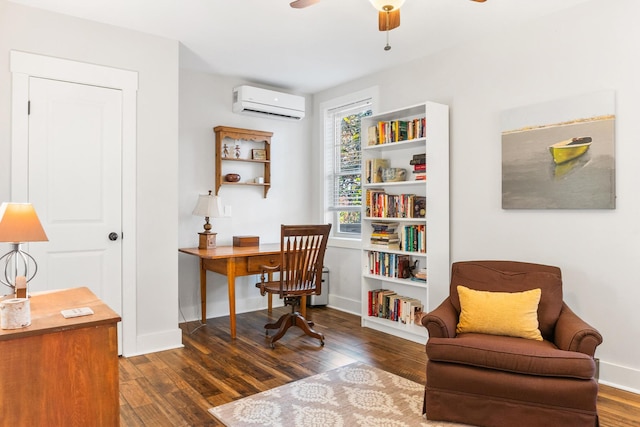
x=257 y=140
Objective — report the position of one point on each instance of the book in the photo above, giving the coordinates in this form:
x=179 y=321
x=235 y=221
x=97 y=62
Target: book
x=418 y=159
x=376 y=169
x=419 y=207
x=382 y=226
x=372 y=135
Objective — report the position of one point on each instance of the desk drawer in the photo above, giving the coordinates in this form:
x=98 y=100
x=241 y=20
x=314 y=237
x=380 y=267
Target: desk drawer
x=255 y=262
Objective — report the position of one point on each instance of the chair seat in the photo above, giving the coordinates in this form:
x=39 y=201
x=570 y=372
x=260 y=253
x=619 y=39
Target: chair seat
x=274 y=288
x=517 y=355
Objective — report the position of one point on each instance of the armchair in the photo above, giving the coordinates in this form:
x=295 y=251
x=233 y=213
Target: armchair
x=496 y=378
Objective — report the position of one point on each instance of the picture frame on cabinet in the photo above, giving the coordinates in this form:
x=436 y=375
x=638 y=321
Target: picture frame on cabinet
x=259 y=154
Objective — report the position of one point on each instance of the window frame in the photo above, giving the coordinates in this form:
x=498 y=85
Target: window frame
x=327 y=139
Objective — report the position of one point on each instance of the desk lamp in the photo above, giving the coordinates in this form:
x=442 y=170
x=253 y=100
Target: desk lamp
x=208 y=206
x=19 y=224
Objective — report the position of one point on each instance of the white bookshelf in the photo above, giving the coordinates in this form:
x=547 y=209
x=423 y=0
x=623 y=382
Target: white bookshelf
x=435 y=258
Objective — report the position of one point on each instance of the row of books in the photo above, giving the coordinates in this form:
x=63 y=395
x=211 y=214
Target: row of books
x=379 y=204
x=389 y=265
x=413 y=238
x=387 y=304
x=385 y=132
x=409 y=237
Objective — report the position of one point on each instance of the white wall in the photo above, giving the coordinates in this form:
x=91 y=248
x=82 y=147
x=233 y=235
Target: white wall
x=156 y=61
x=585 y=49
x=205 y=102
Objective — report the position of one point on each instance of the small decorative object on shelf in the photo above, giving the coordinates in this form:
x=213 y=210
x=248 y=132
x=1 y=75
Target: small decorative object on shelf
x=393 y=174
x=232 y=177
x=259 y=154
x=237 y=151
x=225 y=150
x=405 y=246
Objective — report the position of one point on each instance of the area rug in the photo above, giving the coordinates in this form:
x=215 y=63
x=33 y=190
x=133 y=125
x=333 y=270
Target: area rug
x=353 y=395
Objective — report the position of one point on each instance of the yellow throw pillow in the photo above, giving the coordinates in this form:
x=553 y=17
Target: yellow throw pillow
x=514 y=314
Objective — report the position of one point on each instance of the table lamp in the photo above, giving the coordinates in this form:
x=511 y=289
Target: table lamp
x=19 y=224
x=208 y=206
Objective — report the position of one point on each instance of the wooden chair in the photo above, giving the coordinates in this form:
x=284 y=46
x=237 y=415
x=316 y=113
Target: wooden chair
x=300 y=275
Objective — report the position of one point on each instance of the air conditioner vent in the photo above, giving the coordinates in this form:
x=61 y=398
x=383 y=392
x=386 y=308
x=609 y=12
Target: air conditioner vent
x=268 y=103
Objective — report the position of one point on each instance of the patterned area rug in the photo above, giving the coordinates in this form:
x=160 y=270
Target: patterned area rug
x=353 y=395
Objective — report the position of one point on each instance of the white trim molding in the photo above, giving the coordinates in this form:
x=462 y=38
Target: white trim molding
x=25 y=65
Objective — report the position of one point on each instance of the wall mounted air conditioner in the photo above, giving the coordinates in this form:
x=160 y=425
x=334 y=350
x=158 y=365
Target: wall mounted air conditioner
x=267 y=103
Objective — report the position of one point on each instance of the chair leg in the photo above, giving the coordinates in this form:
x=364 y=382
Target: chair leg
x=306 y=327
x=269 y=303
x=277 y=324
x=284 y=323
x=292 y=319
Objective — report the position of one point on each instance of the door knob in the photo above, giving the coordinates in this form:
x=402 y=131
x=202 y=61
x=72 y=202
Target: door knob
x=113 y=236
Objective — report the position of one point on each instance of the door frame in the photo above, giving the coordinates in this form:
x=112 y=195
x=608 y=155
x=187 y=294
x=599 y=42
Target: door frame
x=25 y=65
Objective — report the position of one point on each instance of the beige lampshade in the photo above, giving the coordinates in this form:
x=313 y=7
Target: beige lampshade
x=19 y=223
x=208 y=206
x=380 y=4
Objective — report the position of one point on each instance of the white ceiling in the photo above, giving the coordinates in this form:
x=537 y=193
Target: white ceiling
x=304 y=50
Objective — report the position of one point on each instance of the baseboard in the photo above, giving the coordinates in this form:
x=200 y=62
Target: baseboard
x=621 y=377
x=160 y=341
x=345 y=304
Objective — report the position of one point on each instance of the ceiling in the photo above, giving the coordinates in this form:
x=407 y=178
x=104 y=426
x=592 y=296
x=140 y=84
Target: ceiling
x=304 y=50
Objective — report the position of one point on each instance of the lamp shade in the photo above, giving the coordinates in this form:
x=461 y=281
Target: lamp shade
x=19 y=223
x=380 y=4
x=208 y=206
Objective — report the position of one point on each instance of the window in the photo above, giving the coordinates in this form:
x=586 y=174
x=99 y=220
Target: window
x=342 y=165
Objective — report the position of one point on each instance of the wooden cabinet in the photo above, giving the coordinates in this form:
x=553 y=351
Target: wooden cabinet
x=236 y=153
x=405 y=216
x=61 y=372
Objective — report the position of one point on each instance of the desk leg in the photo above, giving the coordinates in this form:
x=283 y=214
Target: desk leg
x=231 y=283
x=303 y=306
x=203 y=291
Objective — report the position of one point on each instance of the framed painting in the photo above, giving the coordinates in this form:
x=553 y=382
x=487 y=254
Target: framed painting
x=560 y=154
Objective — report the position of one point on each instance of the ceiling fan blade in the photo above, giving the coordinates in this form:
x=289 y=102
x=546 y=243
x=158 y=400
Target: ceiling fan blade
x=299 y=4
x=394 y=20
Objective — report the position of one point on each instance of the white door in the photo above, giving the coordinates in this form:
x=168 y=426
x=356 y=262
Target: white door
x=75 y=185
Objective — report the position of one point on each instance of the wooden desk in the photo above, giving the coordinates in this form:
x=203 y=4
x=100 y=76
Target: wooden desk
x=61 y=372
x=232 y=261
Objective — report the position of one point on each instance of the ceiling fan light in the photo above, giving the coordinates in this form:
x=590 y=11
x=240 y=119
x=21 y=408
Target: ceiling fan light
x=381 y=5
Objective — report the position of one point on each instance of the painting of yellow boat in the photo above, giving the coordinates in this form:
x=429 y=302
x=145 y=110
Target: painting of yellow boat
x=569 y=149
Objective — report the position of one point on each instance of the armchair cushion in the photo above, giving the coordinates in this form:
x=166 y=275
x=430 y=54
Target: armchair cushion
x=514 y=314
x=505 y=276
x=516 y=355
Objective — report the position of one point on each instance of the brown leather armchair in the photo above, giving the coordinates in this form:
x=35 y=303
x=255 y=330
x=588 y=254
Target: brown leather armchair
x=493 y=380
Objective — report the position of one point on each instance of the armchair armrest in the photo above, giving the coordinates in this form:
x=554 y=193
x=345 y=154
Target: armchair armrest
x=441 y=322
x=574 y=334
x=268 y=270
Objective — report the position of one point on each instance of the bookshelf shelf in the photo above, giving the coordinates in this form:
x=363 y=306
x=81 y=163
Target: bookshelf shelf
x=405 y=239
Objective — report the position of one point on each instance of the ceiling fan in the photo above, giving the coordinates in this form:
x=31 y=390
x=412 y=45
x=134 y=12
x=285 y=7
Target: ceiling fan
x=388 y=15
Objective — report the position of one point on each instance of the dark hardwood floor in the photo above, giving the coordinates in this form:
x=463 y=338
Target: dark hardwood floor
x=177 y=387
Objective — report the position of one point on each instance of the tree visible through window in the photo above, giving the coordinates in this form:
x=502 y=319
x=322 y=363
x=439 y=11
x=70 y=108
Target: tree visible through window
x=343 y=126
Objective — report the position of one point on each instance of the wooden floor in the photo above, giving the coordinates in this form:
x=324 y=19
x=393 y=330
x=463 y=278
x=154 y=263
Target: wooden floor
x=177 y=387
